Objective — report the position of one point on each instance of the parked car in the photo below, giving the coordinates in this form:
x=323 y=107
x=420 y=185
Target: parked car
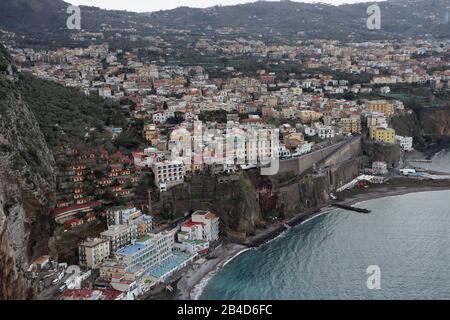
x=62 y=288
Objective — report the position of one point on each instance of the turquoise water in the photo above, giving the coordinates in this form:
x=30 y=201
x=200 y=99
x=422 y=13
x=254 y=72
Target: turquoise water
x=407 y=236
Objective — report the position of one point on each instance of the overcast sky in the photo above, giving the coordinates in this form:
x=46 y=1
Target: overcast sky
x=154 y=5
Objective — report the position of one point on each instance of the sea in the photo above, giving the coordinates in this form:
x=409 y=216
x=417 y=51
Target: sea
x=401 y=250
x=440 y=161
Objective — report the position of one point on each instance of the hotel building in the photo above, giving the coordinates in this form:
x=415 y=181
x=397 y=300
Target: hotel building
x=120 y=236
x=93 y=251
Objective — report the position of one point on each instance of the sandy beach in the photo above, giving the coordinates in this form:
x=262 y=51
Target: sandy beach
x=188 y=286
x=394 y=187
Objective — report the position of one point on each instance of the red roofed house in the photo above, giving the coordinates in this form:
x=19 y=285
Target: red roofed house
x=73 y=223
x=210 y=223
x=65 y=213
x=191 y=230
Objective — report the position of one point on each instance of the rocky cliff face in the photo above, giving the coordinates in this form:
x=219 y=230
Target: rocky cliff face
x=426 y=125
x=435 y=123
x=27 y=184
x=385 y=152
x=250 y=201
x=303 y=194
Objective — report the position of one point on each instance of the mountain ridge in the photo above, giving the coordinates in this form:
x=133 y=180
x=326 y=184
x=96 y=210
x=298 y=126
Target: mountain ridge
x=266 y=19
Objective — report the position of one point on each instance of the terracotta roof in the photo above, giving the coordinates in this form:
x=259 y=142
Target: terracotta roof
x=82 y=293
x=191 y=224
x=111 y=294
x=210 y=216
x=59 y=211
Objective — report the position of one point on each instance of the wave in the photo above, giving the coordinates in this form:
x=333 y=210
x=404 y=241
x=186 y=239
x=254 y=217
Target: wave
x=200 y=287
x=236 y=255
x=281 y=235
x=316 y=216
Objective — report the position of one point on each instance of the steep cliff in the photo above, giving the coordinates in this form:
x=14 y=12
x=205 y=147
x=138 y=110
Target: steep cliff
x=27 y=183
x=250 y=201
x=426 y=124
x=385 y=152
x=435 y=123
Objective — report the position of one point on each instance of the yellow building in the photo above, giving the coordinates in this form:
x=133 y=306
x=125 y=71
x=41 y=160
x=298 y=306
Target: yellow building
x=308 y=116
x=351 y=125
x=296 y=90
x=381 y=106
x=151 y=134
x=178 y=81
x=382 y=134
x=112 y=269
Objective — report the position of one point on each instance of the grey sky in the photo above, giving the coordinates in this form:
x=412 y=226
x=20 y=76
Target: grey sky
x=154 y=5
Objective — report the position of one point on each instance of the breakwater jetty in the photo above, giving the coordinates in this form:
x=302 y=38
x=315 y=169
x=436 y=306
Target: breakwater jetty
x=350 y=208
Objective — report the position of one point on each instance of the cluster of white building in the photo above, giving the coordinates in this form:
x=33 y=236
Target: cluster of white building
x=196 y=234
x=132 y=260
x=125 y=224
x=285 y=153
x=230 y=146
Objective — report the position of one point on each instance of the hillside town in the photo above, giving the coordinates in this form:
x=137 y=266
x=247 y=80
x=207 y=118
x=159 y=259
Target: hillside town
x=190 y=123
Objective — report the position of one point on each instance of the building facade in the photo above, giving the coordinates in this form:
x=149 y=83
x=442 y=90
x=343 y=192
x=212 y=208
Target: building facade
x=130 y=216
x=406 y=143
x=119 y=236
x=381 y=106
x=93 y=251
x=382 y=134
x=210 y=224
x=168 y=174
x=148 y=252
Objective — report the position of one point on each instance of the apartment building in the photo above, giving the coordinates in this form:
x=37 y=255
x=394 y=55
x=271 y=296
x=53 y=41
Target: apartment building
x=310 y=131
x=130 y=216
x=376 y=120
x=406 y=143
x=93 y=251
x=196 y=233
x=161 y=117
x=351 y=125
x=204 y=225
x=119 y=236
x=151 y=134
x=112 y=269
x=381 y=106
x=308 y=116
x=382 y=134
x=148 y=252
x=210 y=223
x=168 y=174
x=325 y=132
